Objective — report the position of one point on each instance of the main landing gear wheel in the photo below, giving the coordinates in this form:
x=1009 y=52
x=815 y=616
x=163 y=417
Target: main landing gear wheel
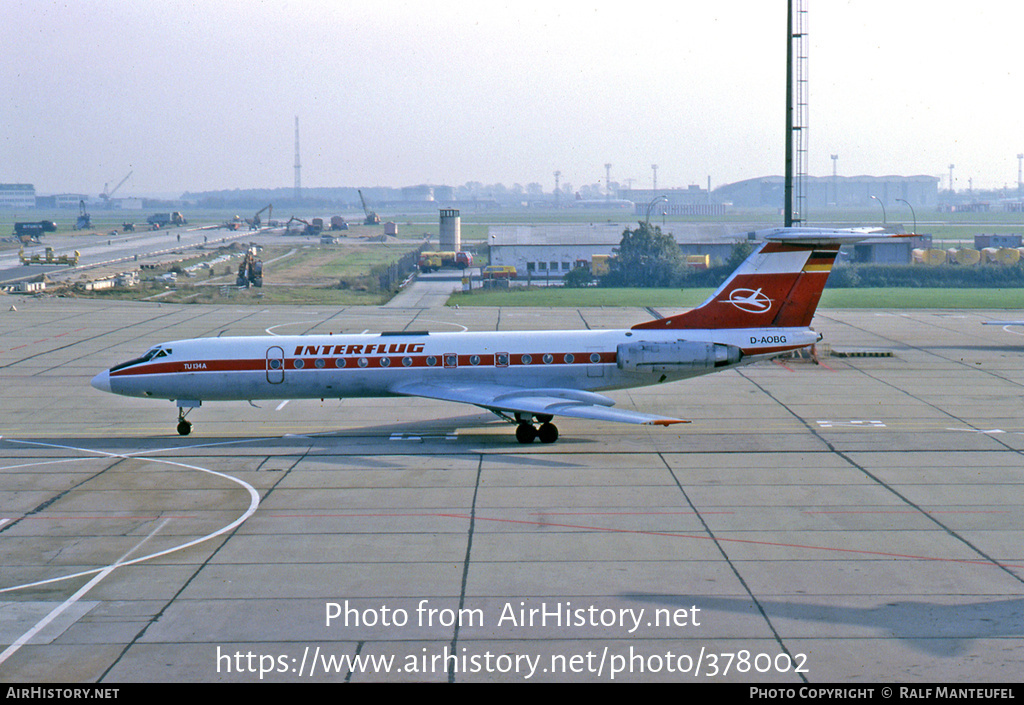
x=526 y=433
x=547 y=433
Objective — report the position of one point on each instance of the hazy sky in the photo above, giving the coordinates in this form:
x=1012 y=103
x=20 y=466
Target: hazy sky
x=203 y=94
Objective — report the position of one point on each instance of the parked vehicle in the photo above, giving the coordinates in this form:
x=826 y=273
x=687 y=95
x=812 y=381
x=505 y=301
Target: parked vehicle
x=494 y=271
x=433 y=261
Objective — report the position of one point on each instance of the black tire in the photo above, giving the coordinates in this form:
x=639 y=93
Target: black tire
x=547 y=433
x=184 y=428
x=525 y=433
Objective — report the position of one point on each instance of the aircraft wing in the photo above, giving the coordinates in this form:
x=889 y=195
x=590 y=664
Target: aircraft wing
x=553 y=401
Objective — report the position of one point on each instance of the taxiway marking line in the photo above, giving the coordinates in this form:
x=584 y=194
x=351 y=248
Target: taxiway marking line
x=639 y=532
x=82 y=591
x=254 y=502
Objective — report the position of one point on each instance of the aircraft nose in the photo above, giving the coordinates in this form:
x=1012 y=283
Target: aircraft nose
x=102 y=381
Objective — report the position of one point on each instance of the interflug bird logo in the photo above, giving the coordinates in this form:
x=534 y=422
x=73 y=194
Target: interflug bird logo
x=750 y=300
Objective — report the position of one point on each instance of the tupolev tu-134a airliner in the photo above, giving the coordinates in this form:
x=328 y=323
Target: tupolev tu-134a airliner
x=762 y=310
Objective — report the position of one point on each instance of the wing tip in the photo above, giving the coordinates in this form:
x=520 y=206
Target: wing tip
x=666 y=422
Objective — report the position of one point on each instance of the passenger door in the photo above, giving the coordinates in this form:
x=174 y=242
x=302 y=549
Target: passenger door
x=275 y=365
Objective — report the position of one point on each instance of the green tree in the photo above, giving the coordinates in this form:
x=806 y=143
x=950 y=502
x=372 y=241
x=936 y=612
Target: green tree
x=646 y=257
x=578 y=277
x=740 y=251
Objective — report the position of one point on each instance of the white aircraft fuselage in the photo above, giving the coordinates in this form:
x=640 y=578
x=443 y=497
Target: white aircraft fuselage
x=763 y=309
x=374 y=365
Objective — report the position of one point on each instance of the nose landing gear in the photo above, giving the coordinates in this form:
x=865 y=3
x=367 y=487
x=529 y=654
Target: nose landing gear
x=185 y=406
x=184 y=427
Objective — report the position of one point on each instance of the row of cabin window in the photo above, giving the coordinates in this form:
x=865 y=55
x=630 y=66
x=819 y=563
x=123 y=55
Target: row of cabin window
x=501 y=360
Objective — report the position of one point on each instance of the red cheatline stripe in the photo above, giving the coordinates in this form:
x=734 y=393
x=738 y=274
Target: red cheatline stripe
x=394 y=361
x=371 y=362
x=776 y=349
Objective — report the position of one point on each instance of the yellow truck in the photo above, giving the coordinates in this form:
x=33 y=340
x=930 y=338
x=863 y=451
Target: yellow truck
x=433 y=261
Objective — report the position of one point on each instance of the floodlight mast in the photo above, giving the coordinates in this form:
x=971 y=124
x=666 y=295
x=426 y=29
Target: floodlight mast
x=796 y=114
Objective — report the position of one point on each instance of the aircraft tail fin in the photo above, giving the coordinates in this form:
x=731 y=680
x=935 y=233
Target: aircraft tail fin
x=778 y=286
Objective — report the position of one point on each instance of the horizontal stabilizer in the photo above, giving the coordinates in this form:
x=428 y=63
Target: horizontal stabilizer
x=823 y=236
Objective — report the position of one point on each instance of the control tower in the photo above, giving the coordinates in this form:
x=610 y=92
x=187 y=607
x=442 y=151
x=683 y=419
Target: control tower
x=450 y=234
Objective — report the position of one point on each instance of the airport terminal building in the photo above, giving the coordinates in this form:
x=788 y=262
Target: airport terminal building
x=540 y=252
x=834 y=191
x=550 y=251
x=17 y=196
x=691 y=201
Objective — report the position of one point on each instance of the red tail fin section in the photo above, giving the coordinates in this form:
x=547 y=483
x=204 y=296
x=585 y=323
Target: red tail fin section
x=778 y=286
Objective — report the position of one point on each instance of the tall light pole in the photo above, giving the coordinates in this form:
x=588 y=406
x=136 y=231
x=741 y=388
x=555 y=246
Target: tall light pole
x=608 y=181
x=787 y=194
x=835 y=179
x=1020 y=184
x=903 y=200
x=884 y=221
x=654 y=168
x=794 y=190
x=298 y=165
x=647 y=217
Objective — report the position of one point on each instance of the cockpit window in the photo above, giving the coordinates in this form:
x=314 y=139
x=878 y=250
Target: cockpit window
x=151 y=354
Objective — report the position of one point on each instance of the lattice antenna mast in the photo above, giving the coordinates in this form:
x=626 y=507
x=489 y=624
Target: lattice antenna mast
x=796 y=114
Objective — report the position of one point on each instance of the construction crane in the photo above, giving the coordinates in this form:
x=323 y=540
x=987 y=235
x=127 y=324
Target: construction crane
x=371 y=217
x=107 y=196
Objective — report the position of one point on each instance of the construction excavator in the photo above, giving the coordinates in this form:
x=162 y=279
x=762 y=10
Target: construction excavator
x=312 y=229
x=256 y=222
